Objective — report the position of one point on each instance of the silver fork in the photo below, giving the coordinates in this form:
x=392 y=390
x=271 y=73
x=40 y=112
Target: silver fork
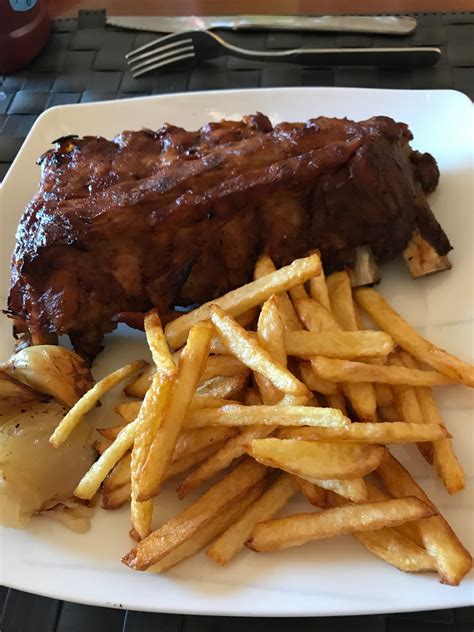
x=203 y=45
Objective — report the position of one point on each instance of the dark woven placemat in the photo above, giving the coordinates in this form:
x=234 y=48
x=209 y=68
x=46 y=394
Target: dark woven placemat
x=28 y=613
x=84 y=61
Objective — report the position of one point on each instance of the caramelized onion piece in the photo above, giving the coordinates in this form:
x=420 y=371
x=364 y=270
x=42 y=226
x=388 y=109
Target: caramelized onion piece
x=52 y=370
x=33 y=474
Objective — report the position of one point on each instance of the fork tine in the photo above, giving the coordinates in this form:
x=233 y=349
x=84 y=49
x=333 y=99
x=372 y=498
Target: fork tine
x=167 y=62
x=155 y=42
x=162 y=57
x=173 y=47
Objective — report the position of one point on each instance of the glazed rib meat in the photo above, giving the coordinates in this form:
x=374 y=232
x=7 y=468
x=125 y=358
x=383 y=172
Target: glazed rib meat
x=175 y=217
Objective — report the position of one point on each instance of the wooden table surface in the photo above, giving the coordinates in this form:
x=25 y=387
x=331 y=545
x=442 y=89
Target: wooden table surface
x=65 y=8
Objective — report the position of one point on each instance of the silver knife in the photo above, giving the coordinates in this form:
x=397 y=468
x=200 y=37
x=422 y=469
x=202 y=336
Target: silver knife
x=386 y=25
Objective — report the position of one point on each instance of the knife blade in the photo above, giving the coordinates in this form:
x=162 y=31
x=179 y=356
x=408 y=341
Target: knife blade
x=383 y=25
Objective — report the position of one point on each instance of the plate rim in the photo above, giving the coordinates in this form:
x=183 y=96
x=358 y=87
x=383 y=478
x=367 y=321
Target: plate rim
x=216 y=612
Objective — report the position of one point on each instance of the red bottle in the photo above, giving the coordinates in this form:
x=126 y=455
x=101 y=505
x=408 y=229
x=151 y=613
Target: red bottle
x=24 y=29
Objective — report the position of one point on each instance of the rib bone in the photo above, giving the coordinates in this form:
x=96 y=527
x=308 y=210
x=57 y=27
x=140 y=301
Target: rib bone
x=365 y=270
x=422 y=259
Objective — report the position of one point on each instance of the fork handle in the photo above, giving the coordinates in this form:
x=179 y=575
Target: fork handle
x=380 y=57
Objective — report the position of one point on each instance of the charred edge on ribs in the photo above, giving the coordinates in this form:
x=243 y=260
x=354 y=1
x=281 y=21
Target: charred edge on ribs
x=178 y=217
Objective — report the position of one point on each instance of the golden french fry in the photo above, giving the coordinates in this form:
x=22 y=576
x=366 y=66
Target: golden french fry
x=315 y=383
x=182 y=527
x=298 y=292
x=237 y=415
x=291 y=400
x=111 y=432
x=389 y=413
x=354 y=372
x=117 y=497
x=232 y=449
x=359 y=317
x=128 y=411
x=208 y=532
x=190 y=441
x=271 y=336
x=319 y=291
x=344 y=345
x=391 y=546
x=209 y=401
x=190 y=366
x=408 y=406
x=253 y=355
x=313 y=460
x=141 y=384
x=141 y=514
x=187 y=461
x=90 y=399
x=160 y=352
x=243 y=298
x=295 y=530
x=148 y=421
x=338 y=402
x=119 y=476
x=271 y=330
x=355 y=489
x=381 y=432
x=315 y=316
x=318 y=317
x=362 y=398
x=361 y=395
x=265 y=266
x=444 y=459
x=101 y=446
x=409 y=529
x=313 y=401
x=223 y=387
x=383 y=395
x=340 y=297
x=92 y=479
x=390 y=321
x=252 y=397
x=218 y=346
x=221 y=366
x=439 y=453
x=314 y=494
x=247 y=317
x=451 y=558
x=268 y=505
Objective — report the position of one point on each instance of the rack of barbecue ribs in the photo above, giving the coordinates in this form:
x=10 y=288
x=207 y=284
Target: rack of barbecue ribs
x=173 y=218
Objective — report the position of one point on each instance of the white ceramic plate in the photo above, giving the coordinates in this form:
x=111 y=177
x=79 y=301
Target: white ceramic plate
x=330 y=577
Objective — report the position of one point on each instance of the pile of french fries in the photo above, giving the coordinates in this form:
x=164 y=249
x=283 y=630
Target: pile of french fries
x=280 y=388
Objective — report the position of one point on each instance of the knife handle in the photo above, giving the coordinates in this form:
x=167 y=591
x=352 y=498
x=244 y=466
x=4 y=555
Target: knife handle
x=383 y=24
